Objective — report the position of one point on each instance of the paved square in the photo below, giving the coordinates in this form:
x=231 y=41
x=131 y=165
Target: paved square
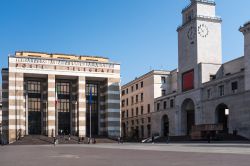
x=127 y=155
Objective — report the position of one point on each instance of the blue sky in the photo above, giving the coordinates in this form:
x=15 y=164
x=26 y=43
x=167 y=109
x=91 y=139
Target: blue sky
x=139 y=34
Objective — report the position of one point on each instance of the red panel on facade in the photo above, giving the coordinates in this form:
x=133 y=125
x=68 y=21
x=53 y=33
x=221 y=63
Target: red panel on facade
x=188 y=80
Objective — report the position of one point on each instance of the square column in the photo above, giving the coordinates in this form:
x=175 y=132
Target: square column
x=52 y=131
x=112 y=110
x=16 y=109
x=81 y=107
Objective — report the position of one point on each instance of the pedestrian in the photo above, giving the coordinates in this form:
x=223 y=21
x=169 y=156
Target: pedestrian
x=153 y=139
x=167 y=138
x=88 y=140
x=69 y=138
x=208 y=137
x=54 y=141
x=119 y=140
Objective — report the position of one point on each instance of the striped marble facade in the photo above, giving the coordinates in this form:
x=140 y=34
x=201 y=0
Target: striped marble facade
x=15 y=108
x=112 y=104
x=5 y=104
x=81 y=107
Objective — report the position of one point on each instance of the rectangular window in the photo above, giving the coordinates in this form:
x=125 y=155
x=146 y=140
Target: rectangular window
x=163 y=92
x=141 y=84
x=221 y=90
x=149 y=119
x=148 y=108
x=142 y=110
x=158 y=106
x=127 y=113
x=132 y=122
x=127 y=101
x=141 y=96
x=163 y=80
x=132 y=110
x=123 y=103
x=209 y=93
x=234 y=87
x=165 y=105
x=136 y=99
x=123 y=114
x=142 y=120
x=132 y=89
x=127 y=90
x=188 y=80
x=136 y=86
x=132 y=100
x=123 y=92
x=63 y=95
x=172 y=103
x=212 y=77
x=137 y=111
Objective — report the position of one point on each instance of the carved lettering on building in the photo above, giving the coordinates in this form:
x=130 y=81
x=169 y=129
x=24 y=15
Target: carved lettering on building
x=64 y=68
x=64 y=63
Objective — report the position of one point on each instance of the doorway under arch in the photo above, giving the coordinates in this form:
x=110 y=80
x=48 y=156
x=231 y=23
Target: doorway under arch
x=221 y=114
x=165 y=126
x=188 y=115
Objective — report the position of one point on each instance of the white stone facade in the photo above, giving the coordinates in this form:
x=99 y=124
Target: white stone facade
x=218 y=101
x=217 y=87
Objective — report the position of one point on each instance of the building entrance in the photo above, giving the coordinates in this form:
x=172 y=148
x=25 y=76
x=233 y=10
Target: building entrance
x=222 y=113
x=33 y=96
x=63 y=106
x=34 y=122
x=165 y=126
x=188 y=115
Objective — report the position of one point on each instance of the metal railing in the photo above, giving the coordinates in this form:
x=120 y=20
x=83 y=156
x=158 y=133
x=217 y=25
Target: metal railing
x=202 y=1
x=200 y=17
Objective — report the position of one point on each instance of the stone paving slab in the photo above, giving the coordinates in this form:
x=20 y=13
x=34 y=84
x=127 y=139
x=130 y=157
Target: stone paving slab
x=126 y=155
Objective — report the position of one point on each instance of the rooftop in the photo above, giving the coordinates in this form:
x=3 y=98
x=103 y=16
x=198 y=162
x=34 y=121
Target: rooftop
x=247 y=23
x=144 y=76
x=60 y=56
x=209 y=2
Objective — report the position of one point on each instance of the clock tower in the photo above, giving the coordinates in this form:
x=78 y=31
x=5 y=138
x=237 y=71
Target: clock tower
x=199 y=44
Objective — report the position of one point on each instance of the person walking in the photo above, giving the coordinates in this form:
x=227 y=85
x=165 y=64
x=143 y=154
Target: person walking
x=119 y=140
x=209 y=137
x=167 y=138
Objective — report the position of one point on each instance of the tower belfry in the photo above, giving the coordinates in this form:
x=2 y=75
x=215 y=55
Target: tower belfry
x=199 y=40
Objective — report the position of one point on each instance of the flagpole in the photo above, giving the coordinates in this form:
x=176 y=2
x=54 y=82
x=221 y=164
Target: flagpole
x=90 y=120
x=90 y=110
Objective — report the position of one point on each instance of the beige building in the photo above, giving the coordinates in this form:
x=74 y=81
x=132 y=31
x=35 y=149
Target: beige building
x=49 y=94
x=137 y=102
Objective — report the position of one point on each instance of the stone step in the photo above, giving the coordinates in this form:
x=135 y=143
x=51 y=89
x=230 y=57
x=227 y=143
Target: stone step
x=34 y=140
x=43 y=140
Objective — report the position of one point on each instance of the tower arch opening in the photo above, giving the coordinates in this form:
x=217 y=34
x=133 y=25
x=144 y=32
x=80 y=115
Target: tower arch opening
x=188 y=115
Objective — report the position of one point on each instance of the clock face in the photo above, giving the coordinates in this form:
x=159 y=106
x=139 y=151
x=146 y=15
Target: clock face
x=203 y=30
x=191 y=33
